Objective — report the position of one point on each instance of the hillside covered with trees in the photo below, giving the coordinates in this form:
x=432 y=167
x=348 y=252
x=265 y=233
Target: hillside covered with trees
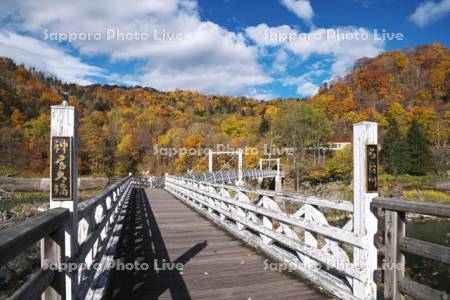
x=405 y=91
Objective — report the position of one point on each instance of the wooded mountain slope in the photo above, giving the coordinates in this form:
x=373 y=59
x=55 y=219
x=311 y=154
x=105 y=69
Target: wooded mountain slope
x=120 y=127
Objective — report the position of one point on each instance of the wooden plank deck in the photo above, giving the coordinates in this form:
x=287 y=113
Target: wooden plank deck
x=216 y=265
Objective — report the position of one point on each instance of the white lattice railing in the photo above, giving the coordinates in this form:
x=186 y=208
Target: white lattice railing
x=304 y=238
x=98 y=225
x=304 y=232
x=151 y=182
x=231 y=176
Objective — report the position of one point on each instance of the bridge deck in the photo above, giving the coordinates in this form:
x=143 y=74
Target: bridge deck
x=216 y=266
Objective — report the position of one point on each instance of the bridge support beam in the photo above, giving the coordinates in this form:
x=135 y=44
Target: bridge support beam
x=210 y=160
x=240 y=180
x=260 y=182
x=365 y=221
x=260 y=179
x=278 y=184
x=278 y=179
x=64 y=123
x=279 y=189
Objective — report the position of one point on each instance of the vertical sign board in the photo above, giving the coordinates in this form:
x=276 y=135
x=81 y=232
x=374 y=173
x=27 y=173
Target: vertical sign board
x=372 y=168
x=61 y=168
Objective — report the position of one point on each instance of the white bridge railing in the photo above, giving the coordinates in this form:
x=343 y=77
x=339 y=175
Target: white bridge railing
x=329 y=242
x=303 y=239
x=100 y=221
x=231 y=176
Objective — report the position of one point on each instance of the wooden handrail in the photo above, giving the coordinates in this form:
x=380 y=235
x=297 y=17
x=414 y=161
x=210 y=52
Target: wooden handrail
x=419 y=291
x=425 y=249
x=424 y=208
x=396 y=244
x=16 y=239
x=36 y=285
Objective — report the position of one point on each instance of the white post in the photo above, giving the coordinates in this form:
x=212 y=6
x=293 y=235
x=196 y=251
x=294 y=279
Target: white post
x=278 y=184
x=278 y=166
x=260 y=179
x=64 y=123
x=240 y=181
x=210 y=160
x=365 y=222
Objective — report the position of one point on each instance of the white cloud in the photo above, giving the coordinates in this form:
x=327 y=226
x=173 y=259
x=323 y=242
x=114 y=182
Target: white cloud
x=429 y=12
x=305 y=85
x=343 y=44
x=260 y=94
x=279 y=64
x=208 y=58
x=47 y=58
x=339 y=47
x=221 y=79
x=264 y=35
x=302 y=8
x=307 y=89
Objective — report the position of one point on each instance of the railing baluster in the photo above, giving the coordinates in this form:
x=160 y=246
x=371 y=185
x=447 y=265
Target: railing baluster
x=394 y=232
x=52 y=252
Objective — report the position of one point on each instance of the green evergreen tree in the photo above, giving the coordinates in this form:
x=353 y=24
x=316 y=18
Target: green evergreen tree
x=264 y=126
x=417 y=157
x=394 y=148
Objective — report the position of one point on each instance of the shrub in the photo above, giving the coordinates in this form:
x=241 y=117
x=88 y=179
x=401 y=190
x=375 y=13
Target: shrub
x=340 y=166
x=426 y=196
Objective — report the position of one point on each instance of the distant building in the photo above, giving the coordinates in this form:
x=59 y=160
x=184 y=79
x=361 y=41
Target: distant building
x=338 y=143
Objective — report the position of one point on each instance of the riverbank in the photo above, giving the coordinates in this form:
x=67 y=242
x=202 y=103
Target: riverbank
x=413 y=188
x=15 y=184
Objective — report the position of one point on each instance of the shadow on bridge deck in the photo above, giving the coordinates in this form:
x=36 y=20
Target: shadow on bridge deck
x=216 y=266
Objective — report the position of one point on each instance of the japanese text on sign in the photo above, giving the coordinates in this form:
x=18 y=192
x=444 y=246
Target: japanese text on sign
x=372 y=168
x=61 y=168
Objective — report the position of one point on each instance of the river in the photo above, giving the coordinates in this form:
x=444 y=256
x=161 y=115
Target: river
x=432 y=273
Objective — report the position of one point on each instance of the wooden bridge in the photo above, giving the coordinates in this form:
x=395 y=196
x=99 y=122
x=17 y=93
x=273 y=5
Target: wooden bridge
x=215 y=265
x=208 y=236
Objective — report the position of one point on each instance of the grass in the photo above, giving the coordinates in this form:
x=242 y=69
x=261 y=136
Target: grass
x=21 y=199
x=406 y=177
x=416 y=188
x=426 y=196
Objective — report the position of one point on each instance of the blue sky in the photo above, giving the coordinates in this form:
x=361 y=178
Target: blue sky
x=263 y=49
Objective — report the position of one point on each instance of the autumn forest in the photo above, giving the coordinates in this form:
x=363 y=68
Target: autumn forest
x=406 y=91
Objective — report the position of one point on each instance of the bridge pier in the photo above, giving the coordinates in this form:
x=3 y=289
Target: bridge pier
x=240 y=181
x=278 y=184
x=278 y=189
x=260 y=181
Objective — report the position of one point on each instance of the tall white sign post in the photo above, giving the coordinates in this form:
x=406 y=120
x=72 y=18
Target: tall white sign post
x=63 y=184
x=365 y=222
